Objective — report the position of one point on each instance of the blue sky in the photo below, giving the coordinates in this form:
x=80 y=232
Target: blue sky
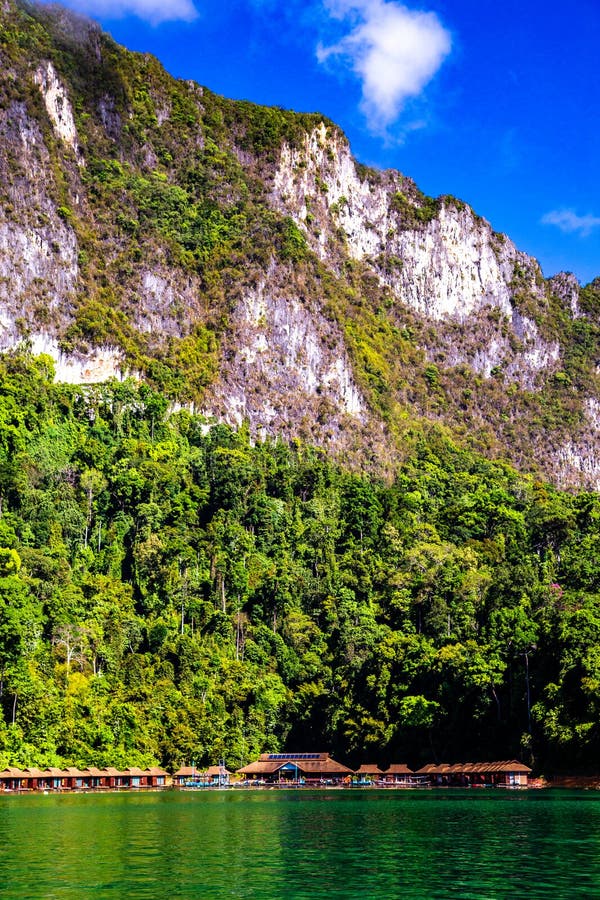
x=495 y=102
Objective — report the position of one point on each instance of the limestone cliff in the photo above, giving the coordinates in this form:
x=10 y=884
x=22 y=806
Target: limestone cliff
x=242 y=260
x=441 y=259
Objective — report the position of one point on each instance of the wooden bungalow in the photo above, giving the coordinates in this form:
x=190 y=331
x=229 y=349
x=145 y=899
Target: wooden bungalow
x=370 y=773
x=398 y=773
x=97 y=778
x=137 y=777
x=436 y=774
x=10 y=779
x=34 y=779
x=55 y=778
x=186 y=775
x=296 y=768
x=511 y=773
x=217 y=775
x=73 y=779
x=115 y=778
x=156 y=777
x=508 y=773
x=190 y=776
x=483 y=774
x=77 y=779
x=28 y=779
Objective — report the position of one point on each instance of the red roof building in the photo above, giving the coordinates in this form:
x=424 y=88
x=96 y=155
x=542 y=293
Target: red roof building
x=369 y=772
x=295 y=767
x=398 y=773
x=509 y=773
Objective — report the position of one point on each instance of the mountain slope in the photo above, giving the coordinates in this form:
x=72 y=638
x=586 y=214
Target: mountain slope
x=239 y=259
x=172 y=588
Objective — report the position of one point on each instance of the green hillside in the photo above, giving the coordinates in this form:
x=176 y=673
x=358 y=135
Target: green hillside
x=373 y=556
x=172 y=186
x=171 y=593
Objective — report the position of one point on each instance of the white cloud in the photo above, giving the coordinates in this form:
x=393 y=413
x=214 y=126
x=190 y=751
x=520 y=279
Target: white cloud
x=153 y=11
x=569 y=222
x=394 y=51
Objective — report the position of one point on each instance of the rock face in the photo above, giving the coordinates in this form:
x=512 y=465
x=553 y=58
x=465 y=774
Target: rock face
x=38 y=248
x=446 y=265
x=121 y=196
x=57 y=104
x=97 y=365
x=451 y=264
x=289 y=368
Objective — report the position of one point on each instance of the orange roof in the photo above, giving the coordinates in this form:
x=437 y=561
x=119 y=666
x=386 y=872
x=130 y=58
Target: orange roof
x=398 y=769
x=217 y=770
x=514 y=766
x=261 y=767
x=482 y=768
x=307 y=764
x=369 y=769
x=73 y=772
x=433 y=769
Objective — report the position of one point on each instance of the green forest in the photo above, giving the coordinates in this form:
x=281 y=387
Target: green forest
x=172 y=590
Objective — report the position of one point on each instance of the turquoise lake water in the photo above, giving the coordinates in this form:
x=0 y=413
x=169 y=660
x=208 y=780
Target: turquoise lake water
x=373 y=845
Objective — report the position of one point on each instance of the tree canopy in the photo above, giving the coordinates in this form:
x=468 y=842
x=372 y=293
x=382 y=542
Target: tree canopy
x=171 y=591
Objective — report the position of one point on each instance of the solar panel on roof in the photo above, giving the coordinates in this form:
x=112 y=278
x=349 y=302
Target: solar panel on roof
x=280 y=756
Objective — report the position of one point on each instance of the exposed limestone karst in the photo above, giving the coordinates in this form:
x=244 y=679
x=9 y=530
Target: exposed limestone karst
x=244 y=261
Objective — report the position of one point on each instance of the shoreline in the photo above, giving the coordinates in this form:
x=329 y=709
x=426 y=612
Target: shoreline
x=581 y=783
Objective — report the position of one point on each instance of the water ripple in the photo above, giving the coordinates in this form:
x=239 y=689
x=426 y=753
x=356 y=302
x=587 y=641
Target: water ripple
x=371 y=845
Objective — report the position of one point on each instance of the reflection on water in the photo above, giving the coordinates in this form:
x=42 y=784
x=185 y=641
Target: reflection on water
x=373 y=845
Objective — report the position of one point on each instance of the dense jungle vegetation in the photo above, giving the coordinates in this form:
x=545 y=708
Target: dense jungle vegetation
x=172 y=591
